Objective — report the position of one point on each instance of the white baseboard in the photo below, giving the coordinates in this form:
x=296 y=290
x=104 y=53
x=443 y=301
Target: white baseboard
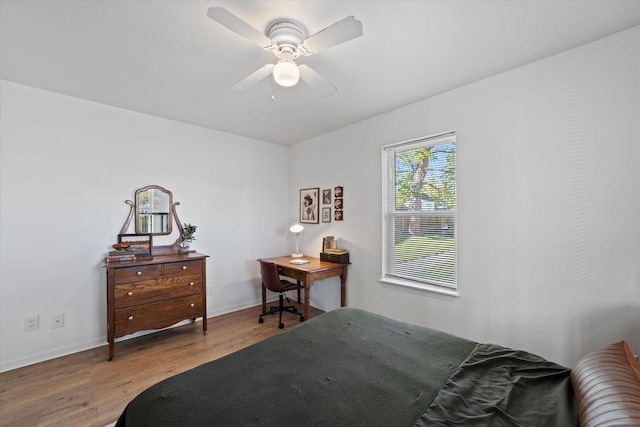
x=52 y=354
x=102 y=341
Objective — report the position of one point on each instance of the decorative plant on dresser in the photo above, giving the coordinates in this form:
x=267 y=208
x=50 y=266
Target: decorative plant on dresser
x=153 y=287
x=188 y=236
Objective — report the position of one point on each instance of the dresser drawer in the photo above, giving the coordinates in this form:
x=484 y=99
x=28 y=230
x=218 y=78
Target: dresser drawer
x=146 y=291
x=181 y=268
x=157 y=315
x=137 y=273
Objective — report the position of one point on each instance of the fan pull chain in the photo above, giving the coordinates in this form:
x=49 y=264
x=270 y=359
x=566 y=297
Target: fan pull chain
x=273 y=98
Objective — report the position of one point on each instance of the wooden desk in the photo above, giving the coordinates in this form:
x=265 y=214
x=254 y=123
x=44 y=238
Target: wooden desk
x=307 y=274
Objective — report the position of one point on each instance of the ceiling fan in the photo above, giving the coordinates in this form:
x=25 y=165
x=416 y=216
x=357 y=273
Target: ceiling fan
x=286 y=40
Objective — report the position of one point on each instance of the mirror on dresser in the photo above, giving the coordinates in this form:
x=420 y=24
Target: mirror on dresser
x=153 y=212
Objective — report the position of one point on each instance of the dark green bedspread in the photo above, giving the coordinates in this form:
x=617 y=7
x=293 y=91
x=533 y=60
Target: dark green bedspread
x=346 y=367
x=498 y=386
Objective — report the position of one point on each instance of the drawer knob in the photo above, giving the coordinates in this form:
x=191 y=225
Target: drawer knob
x=129 y=293
x=139 y=273
x=191 y=284
x=193 y=305
x=130 y=317
x=184 y=267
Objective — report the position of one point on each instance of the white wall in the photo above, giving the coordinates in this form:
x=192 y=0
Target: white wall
x=548 y=203
x=68 y=165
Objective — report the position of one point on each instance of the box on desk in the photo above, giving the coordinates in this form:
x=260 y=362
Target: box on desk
x=339 y=258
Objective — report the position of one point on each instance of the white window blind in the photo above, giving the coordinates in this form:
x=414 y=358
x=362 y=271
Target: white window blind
x=419 y=204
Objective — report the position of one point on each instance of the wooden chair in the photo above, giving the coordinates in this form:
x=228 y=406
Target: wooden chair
x=272 y=281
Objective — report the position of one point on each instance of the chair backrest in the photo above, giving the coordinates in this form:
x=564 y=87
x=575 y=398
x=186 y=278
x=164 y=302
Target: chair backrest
x=270 y=277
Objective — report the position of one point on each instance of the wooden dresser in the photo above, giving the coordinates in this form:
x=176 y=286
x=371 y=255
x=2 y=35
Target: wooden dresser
x=154 y=293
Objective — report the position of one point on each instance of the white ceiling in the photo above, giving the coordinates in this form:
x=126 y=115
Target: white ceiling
x=168 y=59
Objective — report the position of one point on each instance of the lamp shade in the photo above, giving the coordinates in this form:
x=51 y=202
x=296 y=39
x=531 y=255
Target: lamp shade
x=286 y=73
x=296 y=228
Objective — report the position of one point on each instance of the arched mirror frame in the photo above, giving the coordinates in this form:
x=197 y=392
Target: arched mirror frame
x=173 y=215
x=149 y=217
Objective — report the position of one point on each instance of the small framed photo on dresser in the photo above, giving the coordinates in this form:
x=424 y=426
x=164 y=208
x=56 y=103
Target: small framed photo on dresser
x=139 y=244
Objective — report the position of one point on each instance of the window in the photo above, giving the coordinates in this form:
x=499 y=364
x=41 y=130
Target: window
x=419 y=203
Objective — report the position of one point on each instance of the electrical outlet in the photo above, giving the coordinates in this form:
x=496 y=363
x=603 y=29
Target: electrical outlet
x=57 y=321
x=31 y=323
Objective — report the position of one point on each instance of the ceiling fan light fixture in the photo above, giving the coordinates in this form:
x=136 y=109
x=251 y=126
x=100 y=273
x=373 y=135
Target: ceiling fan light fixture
x=287 y=40
x=286 y=73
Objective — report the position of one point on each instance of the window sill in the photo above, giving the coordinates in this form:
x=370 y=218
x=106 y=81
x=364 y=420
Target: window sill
x=423 y=287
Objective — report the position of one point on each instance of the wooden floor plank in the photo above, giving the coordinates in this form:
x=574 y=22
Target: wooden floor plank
x=83 y=389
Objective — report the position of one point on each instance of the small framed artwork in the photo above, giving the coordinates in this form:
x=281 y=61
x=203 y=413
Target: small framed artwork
x=326 y=196
x=309 y=205
x=140 y=244
x=338 y=191
x=339 y=204
x=326 y=214
x=337 y=215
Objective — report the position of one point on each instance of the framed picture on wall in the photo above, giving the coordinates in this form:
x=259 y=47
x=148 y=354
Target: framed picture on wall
x=326 y=196
x=309 y=205
x=326 y=214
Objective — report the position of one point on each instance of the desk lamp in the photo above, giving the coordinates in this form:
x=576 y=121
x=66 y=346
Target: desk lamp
x=297 y=228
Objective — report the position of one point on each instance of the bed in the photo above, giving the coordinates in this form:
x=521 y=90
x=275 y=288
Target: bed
x=349 y=367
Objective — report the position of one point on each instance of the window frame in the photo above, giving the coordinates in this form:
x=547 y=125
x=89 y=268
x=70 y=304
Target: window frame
x=388 y=181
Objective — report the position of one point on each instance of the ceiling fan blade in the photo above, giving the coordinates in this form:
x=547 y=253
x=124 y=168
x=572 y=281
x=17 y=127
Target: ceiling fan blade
x=315 y=80
x=223 y=17
x=342 y=31
x=254 y=77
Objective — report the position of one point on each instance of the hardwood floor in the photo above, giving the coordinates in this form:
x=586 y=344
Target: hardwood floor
x=83 y=389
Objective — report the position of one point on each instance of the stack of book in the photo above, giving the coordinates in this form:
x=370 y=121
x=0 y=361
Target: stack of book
x=336 y=251
x=120 y=256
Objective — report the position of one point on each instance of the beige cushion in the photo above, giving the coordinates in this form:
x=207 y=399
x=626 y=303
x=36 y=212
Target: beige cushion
x=607 y=387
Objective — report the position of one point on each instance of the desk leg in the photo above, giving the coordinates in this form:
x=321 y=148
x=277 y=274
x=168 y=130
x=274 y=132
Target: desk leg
x=264 y=300
x=343 y=287
x=307 y=298
x=299 y=300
